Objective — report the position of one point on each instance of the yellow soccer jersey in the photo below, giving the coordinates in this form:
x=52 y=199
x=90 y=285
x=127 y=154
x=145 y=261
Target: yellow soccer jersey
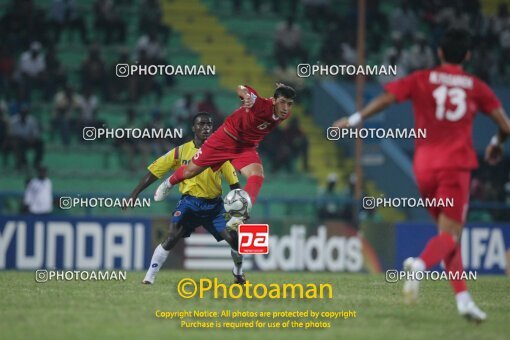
x=205 y=185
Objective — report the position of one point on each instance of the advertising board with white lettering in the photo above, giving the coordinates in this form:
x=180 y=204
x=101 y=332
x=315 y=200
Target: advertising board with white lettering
x=81 y=243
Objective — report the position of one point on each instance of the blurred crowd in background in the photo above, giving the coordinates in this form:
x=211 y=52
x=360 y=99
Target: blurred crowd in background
x=402 y=33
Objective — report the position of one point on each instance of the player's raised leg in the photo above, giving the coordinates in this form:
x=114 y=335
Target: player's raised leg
x=254 y=173
x=182 y=173
x=162 y=250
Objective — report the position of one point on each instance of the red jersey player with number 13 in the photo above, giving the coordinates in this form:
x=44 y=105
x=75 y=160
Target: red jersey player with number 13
x=236 y=140
x=445 y=100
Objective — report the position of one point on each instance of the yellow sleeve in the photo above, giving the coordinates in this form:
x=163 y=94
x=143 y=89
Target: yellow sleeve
x=168 y=161
x=229 y=172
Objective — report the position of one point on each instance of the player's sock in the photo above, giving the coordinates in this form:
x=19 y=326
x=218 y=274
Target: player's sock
x=238 y=262
x=437 y=249
x=158 y=258
x=177 y=176
x=253 y=185
x=463 y=298
x=453 y=265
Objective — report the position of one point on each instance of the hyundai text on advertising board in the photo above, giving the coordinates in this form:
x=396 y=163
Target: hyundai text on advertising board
x=74 y=243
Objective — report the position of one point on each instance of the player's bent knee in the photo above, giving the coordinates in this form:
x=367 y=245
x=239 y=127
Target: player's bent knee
x=450 y=226
x=230 y=238
x=253 y=170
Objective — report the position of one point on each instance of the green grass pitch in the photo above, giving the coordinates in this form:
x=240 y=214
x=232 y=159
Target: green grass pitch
x=126 y=310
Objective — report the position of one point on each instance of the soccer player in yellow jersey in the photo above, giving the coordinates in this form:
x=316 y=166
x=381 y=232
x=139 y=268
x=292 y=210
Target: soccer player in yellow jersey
x=201 y=203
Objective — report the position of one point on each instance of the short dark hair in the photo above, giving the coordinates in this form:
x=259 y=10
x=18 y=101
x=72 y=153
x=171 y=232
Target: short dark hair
x=201 y=114
x=285 y=91
x=455 y=43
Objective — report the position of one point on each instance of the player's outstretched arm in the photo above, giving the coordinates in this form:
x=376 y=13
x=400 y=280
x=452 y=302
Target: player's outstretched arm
x=376 y=105
x=246 y=97
x=494 y=151
x=146 y=180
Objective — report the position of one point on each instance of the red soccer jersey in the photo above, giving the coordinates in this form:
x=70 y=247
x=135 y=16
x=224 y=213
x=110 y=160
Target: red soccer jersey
x=445 y=101
x=250 y=127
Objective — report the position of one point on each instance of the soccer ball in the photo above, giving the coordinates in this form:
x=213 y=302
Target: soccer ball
x=237 y=203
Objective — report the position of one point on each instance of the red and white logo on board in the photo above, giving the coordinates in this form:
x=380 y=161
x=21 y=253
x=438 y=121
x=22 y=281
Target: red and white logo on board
x=253 y=239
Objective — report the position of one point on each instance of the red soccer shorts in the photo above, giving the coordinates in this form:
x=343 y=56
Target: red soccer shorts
x=220 y=147
x=446 y=184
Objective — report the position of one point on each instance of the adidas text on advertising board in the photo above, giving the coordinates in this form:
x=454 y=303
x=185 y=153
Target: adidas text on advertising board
x=126 y=70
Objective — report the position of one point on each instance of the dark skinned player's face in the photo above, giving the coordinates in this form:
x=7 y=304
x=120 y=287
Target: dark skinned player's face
x=202 y=128
x=282 y=106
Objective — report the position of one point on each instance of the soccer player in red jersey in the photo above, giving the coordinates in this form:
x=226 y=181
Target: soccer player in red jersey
x=236 y=140
x=445 y=100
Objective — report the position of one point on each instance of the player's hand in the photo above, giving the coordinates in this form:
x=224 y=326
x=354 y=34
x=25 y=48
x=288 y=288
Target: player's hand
x=279 y=85
x=342 y=123
x=248 y=101
x=493 y=154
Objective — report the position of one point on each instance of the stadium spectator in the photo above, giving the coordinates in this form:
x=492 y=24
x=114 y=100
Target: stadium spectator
x=119 y=86
x=65 y=14
x=18 y=101
x=286 y=74
x=161 y=145
x=93 y=71
x=396 y=54
x=420 y=54
x=316 y=11
x=327 y=200
x=150 y=45
x=66 y=104
x=56 y=76
x=184 y=109
x=288 y=42
x=208 y=105
x=26 y=135
x=7 y=67
x=38 y=197
x=142 y=85
x=32 y=67
x=88 y=105
x=21 y=24
x=278 y=153
x=452 y=17
x=284 y=155
x=298 y=141
x=501 y=20
x=4 y=133
x=237 y=5
x=504 y=42
x=129 y=149
x=404 y=20
x=151 y=19
x=483 y=62
x=109 y=22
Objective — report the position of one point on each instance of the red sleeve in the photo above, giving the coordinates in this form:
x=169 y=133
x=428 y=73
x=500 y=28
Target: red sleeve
x=258 y=104
x=486 y=99
x=251 y=90
x=402 y=88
